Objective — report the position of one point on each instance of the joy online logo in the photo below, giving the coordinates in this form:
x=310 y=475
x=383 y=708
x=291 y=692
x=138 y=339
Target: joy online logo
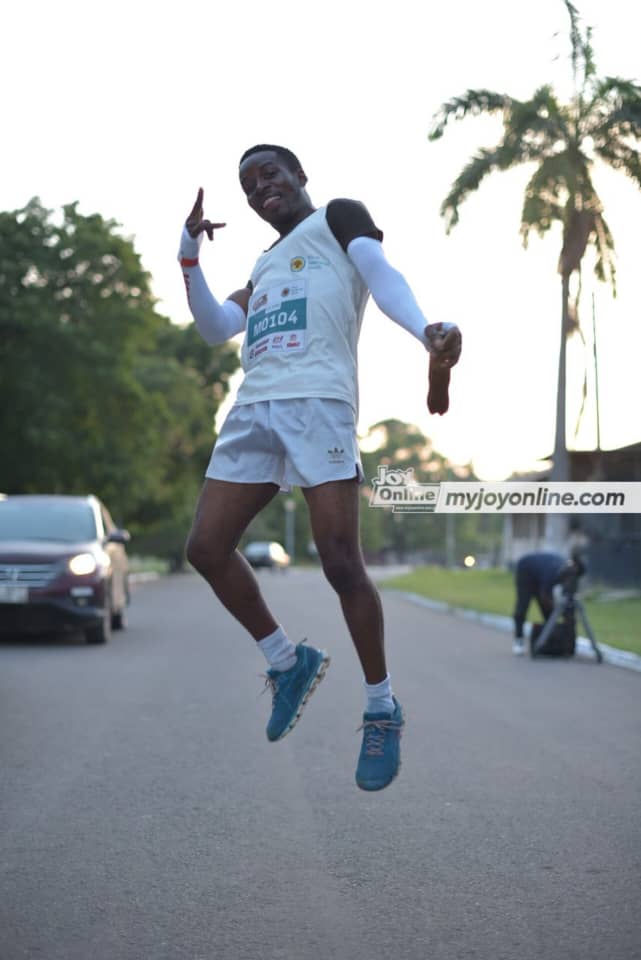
x=398 y=489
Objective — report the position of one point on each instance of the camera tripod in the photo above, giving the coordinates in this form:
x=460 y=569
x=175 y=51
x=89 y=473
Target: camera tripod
x=567 y=607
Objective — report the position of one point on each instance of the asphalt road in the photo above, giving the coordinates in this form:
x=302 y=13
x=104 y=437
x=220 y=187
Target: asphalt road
x=144 y=815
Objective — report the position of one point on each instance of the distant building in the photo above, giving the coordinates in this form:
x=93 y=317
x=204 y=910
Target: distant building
x=614 y=552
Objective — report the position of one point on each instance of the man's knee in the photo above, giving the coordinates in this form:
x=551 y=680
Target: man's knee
x=195 y=550
x=344 y=570
x=203 y=555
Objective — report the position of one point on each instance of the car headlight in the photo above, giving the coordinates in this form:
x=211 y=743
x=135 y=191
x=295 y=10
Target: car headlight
x=82 y=564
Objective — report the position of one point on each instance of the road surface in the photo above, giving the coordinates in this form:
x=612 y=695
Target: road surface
x=144 y=815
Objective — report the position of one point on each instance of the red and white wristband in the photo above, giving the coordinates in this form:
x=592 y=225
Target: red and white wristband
x=189 y=249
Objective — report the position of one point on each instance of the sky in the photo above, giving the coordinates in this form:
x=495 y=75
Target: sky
x=129 y=107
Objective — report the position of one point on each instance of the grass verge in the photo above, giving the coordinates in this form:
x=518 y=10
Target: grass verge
x=616 y=622
x=147 y=565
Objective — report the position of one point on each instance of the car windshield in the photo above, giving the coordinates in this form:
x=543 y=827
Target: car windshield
x=66 y=520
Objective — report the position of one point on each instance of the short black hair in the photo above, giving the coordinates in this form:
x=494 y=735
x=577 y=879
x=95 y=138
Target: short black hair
x=290 y=158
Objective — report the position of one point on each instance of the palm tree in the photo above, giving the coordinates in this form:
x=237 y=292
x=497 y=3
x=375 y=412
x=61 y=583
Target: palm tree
x=602 y=121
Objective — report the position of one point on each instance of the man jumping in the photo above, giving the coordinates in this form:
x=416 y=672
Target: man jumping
x=294 y=423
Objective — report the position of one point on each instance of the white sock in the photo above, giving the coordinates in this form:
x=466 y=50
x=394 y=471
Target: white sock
x=279 y=651
x=379 y=696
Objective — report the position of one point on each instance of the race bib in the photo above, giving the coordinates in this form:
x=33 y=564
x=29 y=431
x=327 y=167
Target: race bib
x=277 y=321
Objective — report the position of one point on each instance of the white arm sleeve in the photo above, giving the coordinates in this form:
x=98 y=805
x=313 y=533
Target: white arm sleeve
x=215 y=322
x=389 y=288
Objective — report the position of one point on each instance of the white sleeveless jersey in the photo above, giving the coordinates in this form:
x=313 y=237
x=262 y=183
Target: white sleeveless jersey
x=304 y=319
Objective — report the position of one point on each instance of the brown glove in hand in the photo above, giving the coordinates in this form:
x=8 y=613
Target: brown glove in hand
x=438 y=398
x=445 y=344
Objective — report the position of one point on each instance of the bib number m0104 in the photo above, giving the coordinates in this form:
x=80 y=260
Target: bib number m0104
x=282 y=321
x=277 y=322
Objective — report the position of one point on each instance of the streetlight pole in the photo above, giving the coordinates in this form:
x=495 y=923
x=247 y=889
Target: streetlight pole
x=596 y=379
x=450 y=540
x=290 y=526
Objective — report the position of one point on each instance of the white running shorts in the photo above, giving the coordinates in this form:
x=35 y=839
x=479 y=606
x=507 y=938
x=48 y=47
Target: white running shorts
x=302 y=442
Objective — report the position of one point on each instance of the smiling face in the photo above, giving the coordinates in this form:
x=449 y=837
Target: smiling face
x=274 y=190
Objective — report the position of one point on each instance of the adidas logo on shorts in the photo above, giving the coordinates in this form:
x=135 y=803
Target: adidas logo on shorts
x=336 y=455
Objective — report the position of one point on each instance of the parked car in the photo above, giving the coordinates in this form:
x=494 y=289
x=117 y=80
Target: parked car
x=63 y=566
x=263 y=554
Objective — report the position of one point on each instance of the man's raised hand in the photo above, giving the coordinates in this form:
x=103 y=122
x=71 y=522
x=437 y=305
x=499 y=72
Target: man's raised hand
x=196 y=224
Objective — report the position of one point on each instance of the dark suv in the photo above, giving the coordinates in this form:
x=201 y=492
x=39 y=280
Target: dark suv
x=63 y=566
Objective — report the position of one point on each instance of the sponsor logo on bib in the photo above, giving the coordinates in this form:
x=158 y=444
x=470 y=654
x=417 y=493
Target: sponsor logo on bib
x=277 y=321
x=297 y=264
x=259 y=302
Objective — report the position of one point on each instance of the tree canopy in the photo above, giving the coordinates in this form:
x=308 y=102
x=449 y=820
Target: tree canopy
x=101 y=393
x=601 y=121
x=564 y=140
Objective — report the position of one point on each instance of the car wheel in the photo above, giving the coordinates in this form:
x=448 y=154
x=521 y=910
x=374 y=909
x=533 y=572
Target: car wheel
x=101 y=632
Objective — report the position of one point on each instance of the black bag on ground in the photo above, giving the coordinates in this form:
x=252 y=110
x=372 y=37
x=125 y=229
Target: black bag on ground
x=560 y=643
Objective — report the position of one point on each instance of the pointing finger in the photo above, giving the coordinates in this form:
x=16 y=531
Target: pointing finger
x=197 y=209
x=209 y=228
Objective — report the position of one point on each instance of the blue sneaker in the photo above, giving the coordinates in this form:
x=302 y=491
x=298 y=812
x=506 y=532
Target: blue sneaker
x=291 y=689
x=380 y=756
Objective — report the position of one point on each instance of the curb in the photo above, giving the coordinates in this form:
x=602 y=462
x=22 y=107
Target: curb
x=611 y=655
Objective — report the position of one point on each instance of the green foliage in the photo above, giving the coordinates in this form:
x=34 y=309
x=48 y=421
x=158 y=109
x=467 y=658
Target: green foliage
x=403 y=445
x=489 y=591
x=601 y=121
x=615 y=622
x=383 y=532
x=100 y=392
x=603 y=118
x=471 y=103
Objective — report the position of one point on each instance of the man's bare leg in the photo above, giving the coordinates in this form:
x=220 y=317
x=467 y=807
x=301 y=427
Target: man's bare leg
x=334 y=512
x=224 y=512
